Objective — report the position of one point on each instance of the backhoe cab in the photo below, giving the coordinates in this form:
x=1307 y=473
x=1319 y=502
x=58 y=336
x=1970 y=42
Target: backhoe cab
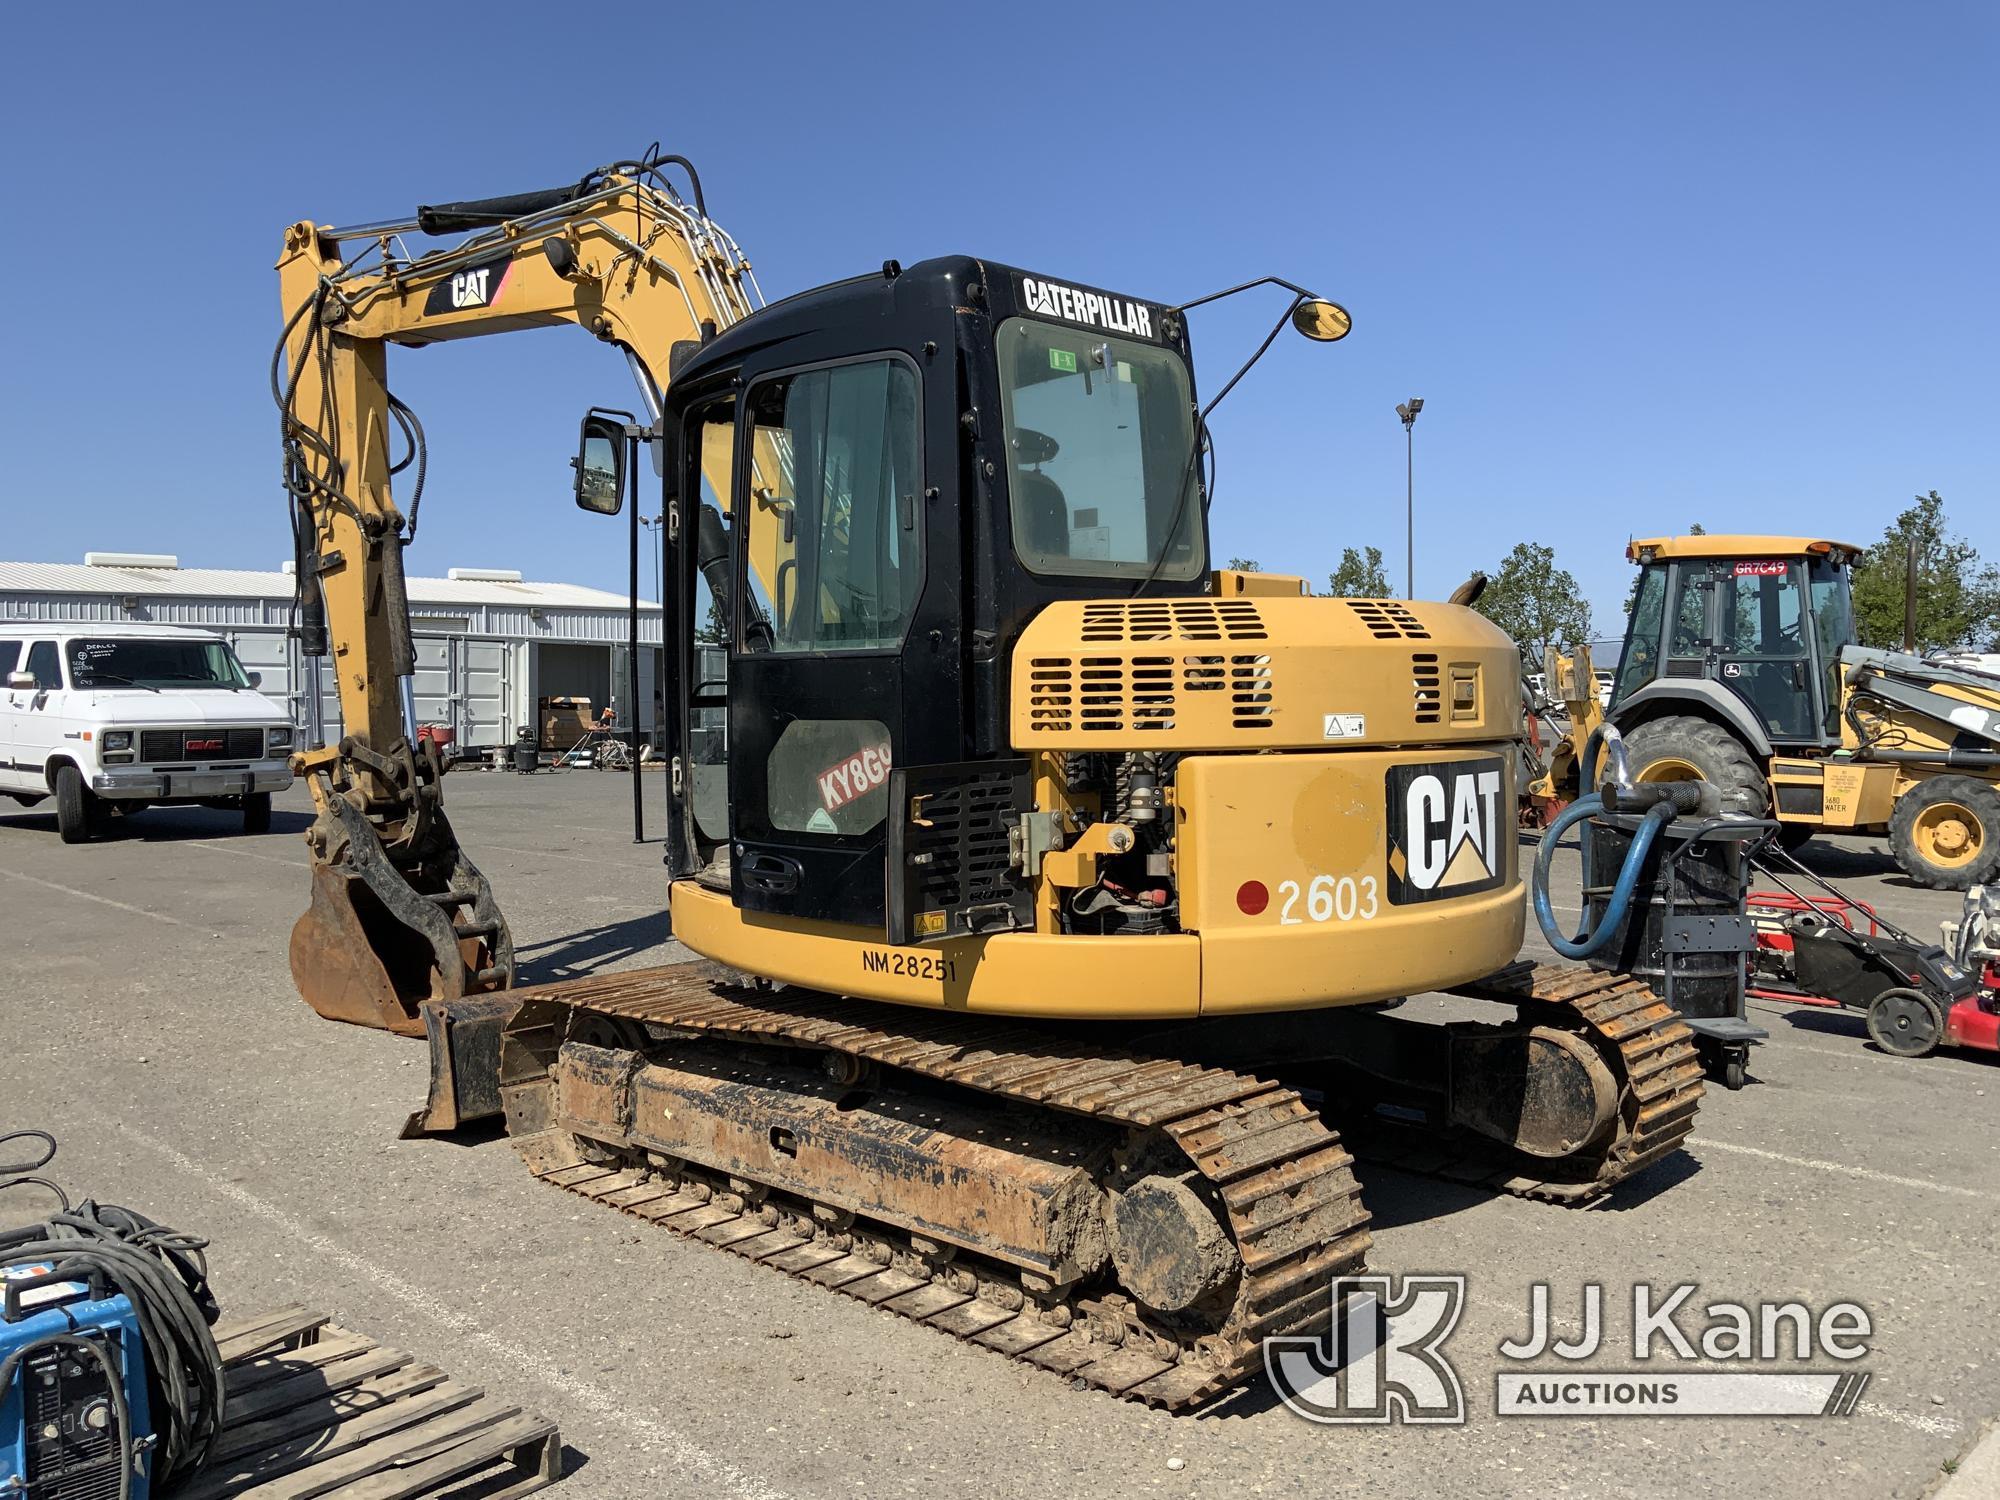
x=1740 y=667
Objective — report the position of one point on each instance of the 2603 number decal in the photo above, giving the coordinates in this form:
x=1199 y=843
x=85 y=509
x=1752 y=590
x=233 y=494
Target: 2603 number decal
x=1326 y=899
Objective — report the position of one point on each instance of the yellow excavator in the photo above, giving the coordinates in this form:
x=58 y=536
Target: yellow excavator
x=1055 y=890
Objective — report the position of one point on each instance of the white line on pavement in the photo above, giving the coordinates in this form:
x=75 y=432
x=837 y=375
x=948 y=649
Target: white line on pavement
x=1707 y=1143
x=711 y=1472
x=70 y=890
x=579 y=859
x=227 y=846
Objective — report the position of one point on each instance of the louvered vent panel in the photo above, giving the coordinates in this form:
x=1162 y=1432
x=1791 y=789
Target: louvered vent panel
x=1389 y=621
x=1173 y=619
x=1250 y=702
x=1428 y=691
x=1138 y=689
x=1051 y=693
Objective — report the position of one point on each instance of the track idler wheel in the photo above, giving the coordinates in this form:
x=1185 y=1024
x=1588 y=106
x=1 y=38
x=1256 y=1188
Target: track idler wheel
x=1171 y=1250
x=1542 y=1090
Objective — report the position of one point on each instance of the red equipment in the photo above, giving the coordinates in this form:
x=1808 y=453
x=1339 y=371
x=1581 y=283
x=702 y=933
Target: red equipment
x=1830 y=950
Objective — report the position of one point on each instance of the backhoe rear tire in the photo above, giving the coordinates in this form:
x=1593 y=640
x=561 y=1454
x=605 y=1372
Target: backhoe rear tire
x=1678 y=748
x=1945 y=832
x=78 y=816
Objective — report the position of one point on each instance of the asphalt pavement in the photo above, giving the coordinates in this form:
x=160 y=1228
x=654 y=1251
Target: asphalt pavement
x=150 y=1021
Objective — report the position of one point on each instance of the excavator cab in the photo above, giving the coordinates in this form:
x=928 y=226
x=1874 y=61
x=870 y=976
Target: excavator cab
x=872 y=488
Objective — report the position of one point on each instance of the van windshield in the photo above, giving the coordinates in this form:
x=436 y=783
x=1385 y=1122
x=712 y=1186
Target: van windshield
x=108 y=662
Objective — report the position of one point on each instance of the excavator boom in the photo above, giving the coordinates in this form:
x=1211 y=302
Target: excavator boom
x=399 y=914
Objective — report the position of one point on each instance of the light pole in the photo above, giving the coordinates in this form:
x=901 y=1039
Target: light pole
x=1408 y=410
x=657 y=545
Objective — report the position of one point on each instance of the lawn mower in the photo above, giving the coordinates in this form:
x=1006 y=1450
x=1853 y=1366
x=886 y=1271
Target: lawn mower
x=1826 y=949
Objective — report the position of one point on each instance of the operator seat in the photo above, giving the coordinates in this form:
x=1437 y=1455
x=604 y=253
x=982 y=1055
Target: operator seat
x=1044 y=512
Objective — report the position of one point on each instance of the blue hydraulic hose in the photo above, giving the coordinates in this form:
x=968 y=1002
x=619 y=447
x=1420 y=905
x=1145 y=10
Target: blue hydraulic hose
x=1589 y=939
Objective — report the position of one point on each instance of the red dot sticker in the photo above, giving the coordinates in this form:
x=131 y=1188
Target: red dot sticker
x=1251 y=897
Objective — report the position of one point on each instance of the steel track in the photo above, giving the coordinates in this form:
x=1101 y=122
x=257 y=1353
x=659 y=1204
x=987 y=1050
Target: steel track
x=1281 y=1176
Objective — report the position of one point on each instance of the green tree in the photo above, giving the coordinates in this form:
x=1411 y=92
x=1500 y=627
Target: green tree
x=714 y=628
x=1245 y=565
x=1359 y=575
x=1958 y=597
x=1536 y=602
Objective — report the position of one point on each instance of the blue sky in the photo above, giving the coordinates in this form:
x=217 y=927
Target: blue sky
x=1646 y=265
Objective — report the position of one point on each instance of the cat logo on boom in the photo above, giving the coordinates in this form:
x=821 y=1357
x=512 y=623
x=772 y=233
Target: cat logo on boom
x=1446 y=834
x=475 y=286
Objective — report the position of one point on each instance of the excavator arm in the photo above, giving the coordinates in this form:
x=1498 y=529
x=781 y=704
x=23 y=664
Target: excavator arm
x=399 y=915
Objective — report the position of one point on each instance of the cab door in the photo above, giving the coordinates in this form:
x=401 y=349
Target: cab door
x=1763 y=644
x=829 y=515
x=36 y=716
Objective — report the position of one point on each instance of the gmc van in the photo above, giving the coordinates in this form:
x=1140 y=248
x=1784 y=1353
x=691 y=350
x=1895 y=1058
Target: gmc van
x=121 y=717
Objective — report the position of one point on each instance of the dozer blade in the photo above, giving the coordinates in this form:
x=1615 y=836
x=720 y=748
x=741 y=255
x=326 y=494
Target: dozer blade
x=464 y=1037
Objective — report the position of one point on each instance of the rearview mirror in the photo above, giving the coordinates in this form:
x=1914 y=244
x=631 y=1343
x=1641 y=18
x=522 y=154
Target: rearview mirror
x=600 y=466
x=1322 y=321
x=21 y=682
x=255 y=679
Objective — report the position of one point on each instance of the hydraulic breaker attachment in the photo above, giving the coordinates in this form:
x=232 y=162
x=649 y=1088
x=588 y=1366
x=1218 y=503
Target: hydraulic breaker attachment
x=392 y=926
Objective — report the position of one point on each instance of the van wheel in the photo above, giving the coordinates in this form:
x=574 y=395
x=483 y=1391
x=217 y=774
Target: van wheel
x=257 y=813
x=1689 y=749
x=78 y=815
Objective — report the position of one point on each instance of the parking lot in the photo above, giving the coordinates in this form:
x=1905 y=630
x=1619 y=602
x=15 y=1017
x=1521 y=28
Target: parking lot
x=151 y=1023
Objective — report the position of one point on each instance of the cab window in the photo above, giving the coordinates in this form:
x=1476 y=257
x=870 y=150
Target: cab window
x=46 y=665
x=1760 y=611
x=10 y=658
x=1641 y=662
x=834 y=513
x=1833 y=625
x=1100 y=453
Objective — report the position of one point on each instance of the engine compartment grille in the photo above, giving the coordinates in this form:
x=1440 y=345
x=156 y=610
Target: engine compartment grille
x=1143 y=620
x=1119 y=694
x=1427 y=690
x=1387 y=620
x=200 y=744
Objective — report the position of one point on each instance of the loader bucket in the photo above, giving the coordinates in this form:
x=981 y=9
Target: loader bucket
x=354 y=961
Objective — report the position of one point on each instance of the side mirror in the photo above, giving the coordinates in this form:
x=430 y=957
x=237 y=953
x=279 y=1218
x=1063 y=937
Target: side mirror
x=600 y=466
x=21 y=682
x=255 y=679
x=1321 y=321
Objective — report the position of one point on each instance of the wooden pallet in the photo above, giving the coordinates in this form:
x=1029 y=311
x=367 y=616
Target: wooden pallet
x=315 y=1409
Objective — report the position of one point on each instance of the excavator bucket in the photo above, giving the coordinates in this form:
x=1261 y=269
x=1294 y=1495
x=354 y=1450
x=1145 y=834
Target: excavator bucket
x=378 y=941
x=354 y=962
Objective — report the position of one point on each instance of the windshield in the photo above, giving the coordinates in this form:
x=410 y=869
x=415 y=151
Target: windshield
x=1099 y=432
x=97 y=662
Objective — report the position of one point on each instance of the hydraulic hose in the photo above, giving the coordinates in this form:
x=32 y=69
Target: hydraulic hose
x=1590 y=938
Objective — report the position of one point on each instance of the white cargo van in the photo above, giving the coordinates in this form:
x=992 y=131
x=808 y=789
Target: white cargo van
x=104 y=716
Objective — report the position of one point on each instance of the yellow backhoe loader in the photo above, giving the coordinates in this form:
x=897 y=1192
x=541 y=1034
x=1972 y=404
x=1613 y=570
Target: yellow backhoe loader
x=1055 y=889
x=1740 y=668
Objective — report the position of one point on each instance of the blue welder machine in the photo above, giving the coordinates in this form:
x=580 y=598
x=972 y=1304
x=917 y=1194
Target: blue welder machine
x=73 y=1409
x=110 y=1384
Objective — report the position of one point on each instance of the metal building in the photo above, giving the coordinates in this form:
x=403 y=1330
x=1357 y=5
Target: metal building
x=490 y=644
